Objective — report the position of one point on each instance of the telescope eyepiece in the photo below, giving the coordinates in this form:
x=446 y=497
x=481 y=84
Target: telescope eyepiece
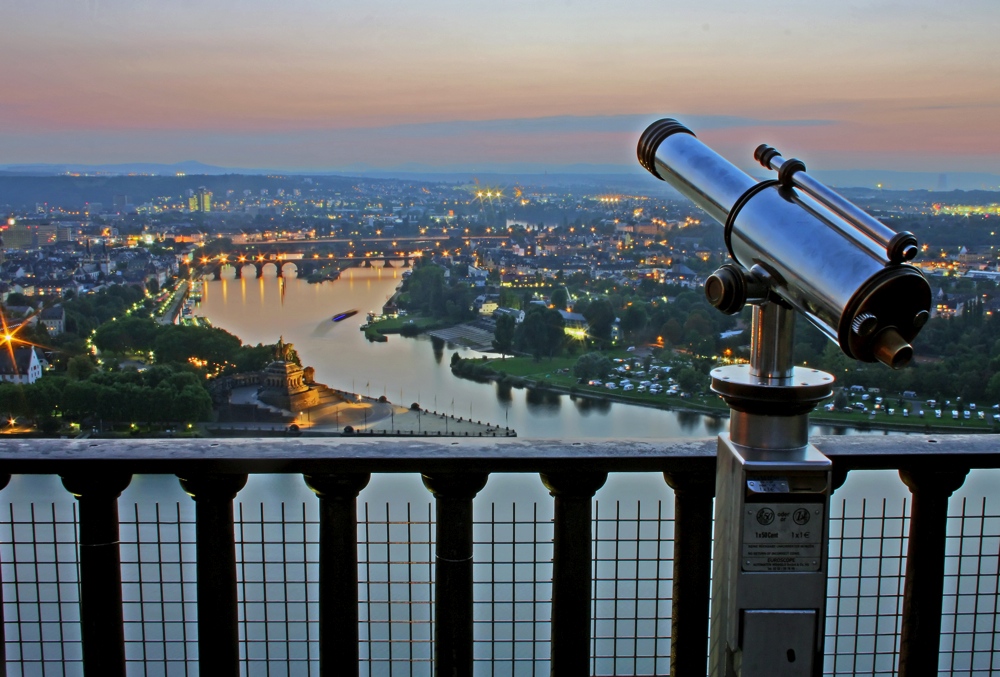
x=902 y=247
x=891 y=349
x=764 y=154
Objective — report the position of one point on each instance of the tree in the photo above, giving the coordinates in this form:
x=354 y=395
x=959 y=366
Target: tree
x=560 y=298
x=592 y=365
x=601 y=317
x=80 y=367
x=689 y=379
x=17 y=299
x=127 y=334
x=542 y=331
x=634 y=319
x=503 y=335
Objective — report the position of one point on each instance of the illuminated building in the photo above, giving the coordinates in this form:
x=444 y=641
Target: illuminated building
x=201 y=200
x=575 y=324
x=21 y=236
x=20 y=365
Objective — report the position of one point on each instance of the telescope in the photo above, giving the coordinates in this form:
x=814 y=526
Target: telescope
x=795 y=246
x=801 y=241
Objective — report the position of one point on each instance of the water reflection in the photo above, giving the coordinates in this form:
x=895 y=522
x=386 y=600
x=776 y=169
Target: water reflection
x=688 y=420
x=504 y=392
x=715 y=425
x=438 y=345
x=542 y=402
x=589 y=405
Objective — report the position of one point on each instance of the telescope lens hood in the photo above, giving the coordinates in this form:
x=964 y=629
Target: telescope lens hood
x=651 y=139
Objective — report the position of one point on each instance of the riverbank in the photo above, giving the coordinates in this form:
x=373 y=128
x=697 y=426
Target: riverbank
x=344 y=413
x=555 y=375
x=406 y=325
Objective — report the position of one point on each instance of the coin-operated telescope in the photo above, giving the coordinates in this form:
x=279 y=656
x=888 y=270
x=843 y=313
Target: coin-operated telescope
x=795 y=245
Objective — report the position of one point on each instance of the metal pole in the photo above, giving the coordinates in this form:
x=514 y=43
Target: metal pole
x=572 y=568
x=101 y=621
x=218 y=629
x=920 y=642
x=693 y=494
x=771 y=513
x=338 y=570
x=4 y=480
x=453 y=493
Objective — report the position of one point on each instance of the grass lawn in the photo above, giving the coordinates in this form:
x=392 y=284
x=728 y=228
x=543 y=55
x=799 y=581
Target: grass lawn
x=527 y=366
x=394 y=324
x=548 y=372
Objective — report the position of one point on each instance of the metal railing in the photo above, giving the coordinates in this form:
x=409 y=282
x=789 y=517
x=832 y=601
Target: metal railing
x=571 y=587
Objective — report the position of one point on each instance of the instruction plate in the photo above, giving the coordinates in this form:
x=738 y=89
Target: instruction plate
x=782 y=536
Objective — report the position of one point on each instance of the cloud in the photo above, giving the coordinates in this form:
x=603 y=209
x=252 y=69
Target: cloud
x=568 y=124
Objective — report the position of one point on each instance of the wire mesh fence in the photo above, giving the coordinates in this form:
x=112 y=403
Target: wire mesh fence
x=278 y=587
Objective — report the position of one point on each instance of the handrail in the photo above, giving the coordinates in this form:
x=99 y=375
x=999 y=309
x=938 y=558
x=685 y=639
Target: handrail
x=454 y=470
x=410 y=455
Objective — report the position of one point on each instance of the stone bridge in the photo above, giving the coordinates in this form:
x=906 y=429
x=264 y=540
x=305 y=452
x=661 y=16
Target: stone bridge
x=303 y=267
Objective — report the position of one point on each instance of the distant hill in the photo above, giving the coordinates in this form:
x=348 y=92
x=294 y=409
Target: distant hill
x=189 y=167
x=22 y=189
x=23 y=192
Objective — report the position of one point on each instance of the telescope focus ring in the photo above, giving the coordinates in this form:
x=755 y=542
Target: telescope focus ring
x=651 y=139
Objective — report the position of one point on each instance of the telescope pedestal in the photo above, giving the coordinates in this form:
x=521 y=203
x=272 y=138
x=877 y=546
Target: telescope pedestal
x=771 y=513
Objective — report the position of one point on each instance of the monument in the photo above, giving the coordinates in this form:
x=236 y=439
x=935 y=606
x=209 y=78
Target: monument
x=284 y=383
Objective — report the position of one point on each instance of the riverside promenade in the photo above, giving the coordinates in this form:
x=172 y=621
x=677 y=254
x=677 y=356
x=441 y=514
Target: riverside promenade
x=364 y=415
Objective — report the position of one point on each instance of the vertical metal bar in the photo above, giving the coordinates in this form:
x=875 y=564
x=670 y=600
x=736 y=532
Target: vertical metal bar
x=614 y=587
x=693 y=494
x=656 y=590
x=534 y=587
x=284 y=586
x=240 y=536
x=921 y=636
x=139 y=582
x=4 y=480
x=338 y=570
x=368 y=586
x=215 y=548
x=101 y=619
x=493 y=595
x=995 y=616
x=572 y=568
x=958 y=589
x=37 y=582
x=453 y=614
x=159 y=577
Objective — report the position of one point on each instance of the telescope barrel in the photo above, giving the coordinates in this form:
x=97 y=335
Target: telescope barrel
x=899 y=247
x=815 y=259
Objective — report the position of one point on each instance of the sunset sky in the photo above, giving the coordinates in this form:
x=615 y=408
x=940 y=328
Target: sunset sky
x=327 y=84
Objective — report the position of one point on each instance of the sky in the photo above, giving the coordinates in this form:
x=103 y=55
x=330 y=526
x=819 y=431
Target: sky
x=441 y=84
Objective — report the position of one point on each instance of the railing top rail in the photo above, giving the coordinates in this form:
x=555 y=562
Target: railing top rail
x=395 y=454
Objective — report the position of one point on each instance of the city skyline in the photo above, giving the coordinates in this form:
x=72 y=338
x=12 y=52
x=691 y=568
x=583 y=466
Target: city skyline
x=444 y=85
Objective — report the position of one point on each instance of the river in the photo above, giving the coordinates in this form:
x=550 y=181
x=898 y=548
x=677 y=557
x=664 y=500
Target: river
x=410 y=369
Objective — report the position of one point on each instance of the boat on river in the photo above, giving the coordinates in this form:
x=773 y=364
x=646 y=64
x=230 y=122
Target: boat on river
x=344 y=315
